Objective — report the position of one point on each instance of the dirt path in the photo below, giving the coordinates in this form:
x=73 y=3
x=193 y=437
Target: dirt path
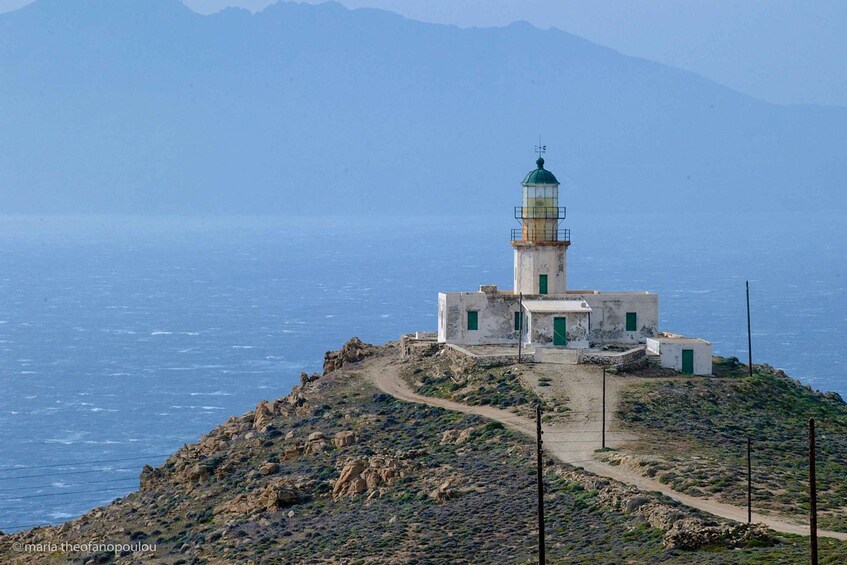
x=574 y=442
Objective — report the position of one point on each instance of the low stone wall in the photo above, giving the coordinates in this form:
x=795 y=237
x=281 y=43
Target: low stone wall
x=629 y=359
x=491 y=360
x=418 y=345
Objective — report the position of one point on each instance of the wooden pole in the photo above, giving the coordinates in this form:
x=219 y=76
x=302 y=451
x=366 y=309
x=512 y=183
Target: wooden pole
x=520 y=325
x=749 y=335
x=541 y=556
x=813 y=497
x=749 y=485
x=603 y=443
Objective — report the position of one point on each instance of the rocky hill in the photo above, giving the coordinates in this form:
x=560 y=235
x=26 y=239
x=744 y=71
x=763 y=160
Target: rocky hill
x=339 y=472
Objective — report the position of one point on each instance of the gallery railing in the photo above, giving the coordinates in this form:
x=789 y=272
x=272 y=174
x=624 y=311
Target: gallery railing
x=528 y=233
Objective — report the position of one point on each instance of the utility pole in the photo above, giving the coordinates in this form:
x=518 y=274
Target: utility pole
x=541 y=556
x=520 y=325
x=749 y=485
x=603 y=432
x=749 y=336
x=813 y=496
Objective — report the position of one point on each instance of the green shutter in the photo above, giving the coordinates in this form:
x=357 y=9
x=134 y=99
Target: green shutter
x=517 y=321
x=473 y=320
x=542 y=284
x=631 y=325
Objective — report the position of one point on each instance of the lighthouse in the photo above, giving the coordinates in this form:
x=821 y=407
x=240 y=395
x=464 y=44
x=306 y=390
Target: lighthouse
x=540 y=312
x=540 y=243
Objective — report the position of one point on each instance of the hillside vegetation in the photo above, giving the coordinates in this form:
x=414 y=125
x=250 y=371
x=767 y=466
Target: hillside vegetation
x=696 y=431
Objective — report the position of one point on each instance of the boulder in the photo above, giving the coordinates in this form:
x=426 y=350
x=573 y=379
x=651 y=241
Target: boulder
x=316 y=443
x=268 y=468
x=343 y=439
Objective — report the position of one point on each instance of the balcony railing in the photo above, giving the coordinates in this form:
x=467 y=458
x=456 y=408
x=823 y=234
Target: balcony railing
x=541 y=234
x=540 y=212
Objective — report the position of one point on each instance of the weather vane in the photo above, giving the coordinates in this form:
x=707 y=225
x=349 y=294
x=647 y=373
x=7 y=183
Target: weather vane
x=540 y=149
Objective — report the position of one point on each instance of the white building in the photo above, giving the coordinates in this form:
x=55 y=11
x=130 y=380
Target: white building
x=690 y=355
x=540 y=310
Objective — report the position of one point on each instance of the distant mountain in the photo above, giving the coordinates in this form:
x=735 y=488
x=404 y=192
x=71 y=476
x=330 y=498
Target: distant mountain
x=131 y=106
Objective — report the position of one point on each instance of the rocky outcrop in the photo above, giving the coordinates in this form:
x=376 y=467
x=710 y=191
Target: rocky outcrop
x=275 y=495
x=263 y=415
x=360 y=475
x=352 y=352
x=457 y=437
x=447 y=489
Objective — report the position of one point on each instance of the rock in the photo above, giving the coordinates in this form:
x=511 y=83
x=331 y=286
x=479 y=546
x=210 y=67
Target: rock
x=316 y=443
x=358 y=476
x=150 y=478
x=352 y=352
x=634 y=503
x=263 y=415
x=457 y=437
x=268 y=468
x=278 y=493
x=446 y=490
x=343 y=439
x=291 y=452
x=350 y=481
x=834 y=396
x=197 y=473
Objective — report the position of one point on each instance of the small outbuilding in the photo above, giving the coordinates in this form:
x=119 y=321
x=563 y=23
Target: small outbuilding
x=688 y=355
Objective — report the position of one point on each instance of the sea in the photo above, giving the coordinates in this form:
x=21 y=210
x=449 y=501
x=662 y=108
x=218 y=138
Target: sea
x=124 y=337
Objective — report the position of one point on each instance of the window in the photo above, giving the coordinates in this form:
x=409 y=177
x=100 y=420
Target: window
x=542 y=284
x=518 y=321
x=631 y=322
x=473 y=320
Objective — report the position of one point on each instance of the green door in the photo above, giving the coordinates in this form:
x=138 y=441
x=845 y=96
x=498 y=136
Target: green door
x=560 y=331
x=688 y=361
x=542 y=284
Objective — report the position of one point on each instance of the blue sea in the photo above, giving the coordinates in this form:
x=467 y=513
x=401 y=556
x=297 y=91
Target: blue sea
x=123 y=338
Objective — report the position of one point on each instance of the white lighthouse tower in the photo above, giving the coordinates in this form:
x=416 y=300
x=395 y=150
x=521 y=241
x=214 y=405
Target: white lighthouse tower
x=540 y=244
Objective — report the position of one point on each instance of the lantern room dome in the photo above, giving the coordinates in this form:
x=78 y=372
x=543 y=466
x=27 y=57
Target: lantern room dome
x=540 y=175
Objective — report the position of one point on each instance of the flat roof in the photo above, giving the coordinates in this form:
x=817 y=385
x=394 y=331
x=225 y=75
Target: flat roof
x=553 y=306
x=680 y=340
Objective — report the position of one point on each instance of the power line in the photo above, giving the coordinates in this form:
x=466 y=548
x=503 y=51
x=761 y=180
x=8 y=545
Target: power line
x=68 y=473
x=69 y=493
x=96 y=462
x=36 y=487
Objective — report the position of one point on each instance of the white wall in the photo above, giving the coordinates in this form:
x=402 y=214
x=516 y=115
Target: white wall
x=608 y=315
x=496 y=318
x=670 y=353
x=540 y=328
x=534 y=260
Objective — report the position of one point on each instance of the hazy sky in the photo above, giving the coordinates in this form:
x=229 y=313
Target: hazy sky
x=783 y=51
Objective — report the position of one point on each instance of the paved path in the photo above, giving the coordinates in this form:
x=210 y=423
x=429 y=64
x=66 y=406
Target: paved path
x=566 y=442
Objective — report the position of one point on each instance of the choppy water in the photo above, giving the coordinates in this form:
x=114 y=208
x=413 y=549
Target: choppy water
x=123 y=338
